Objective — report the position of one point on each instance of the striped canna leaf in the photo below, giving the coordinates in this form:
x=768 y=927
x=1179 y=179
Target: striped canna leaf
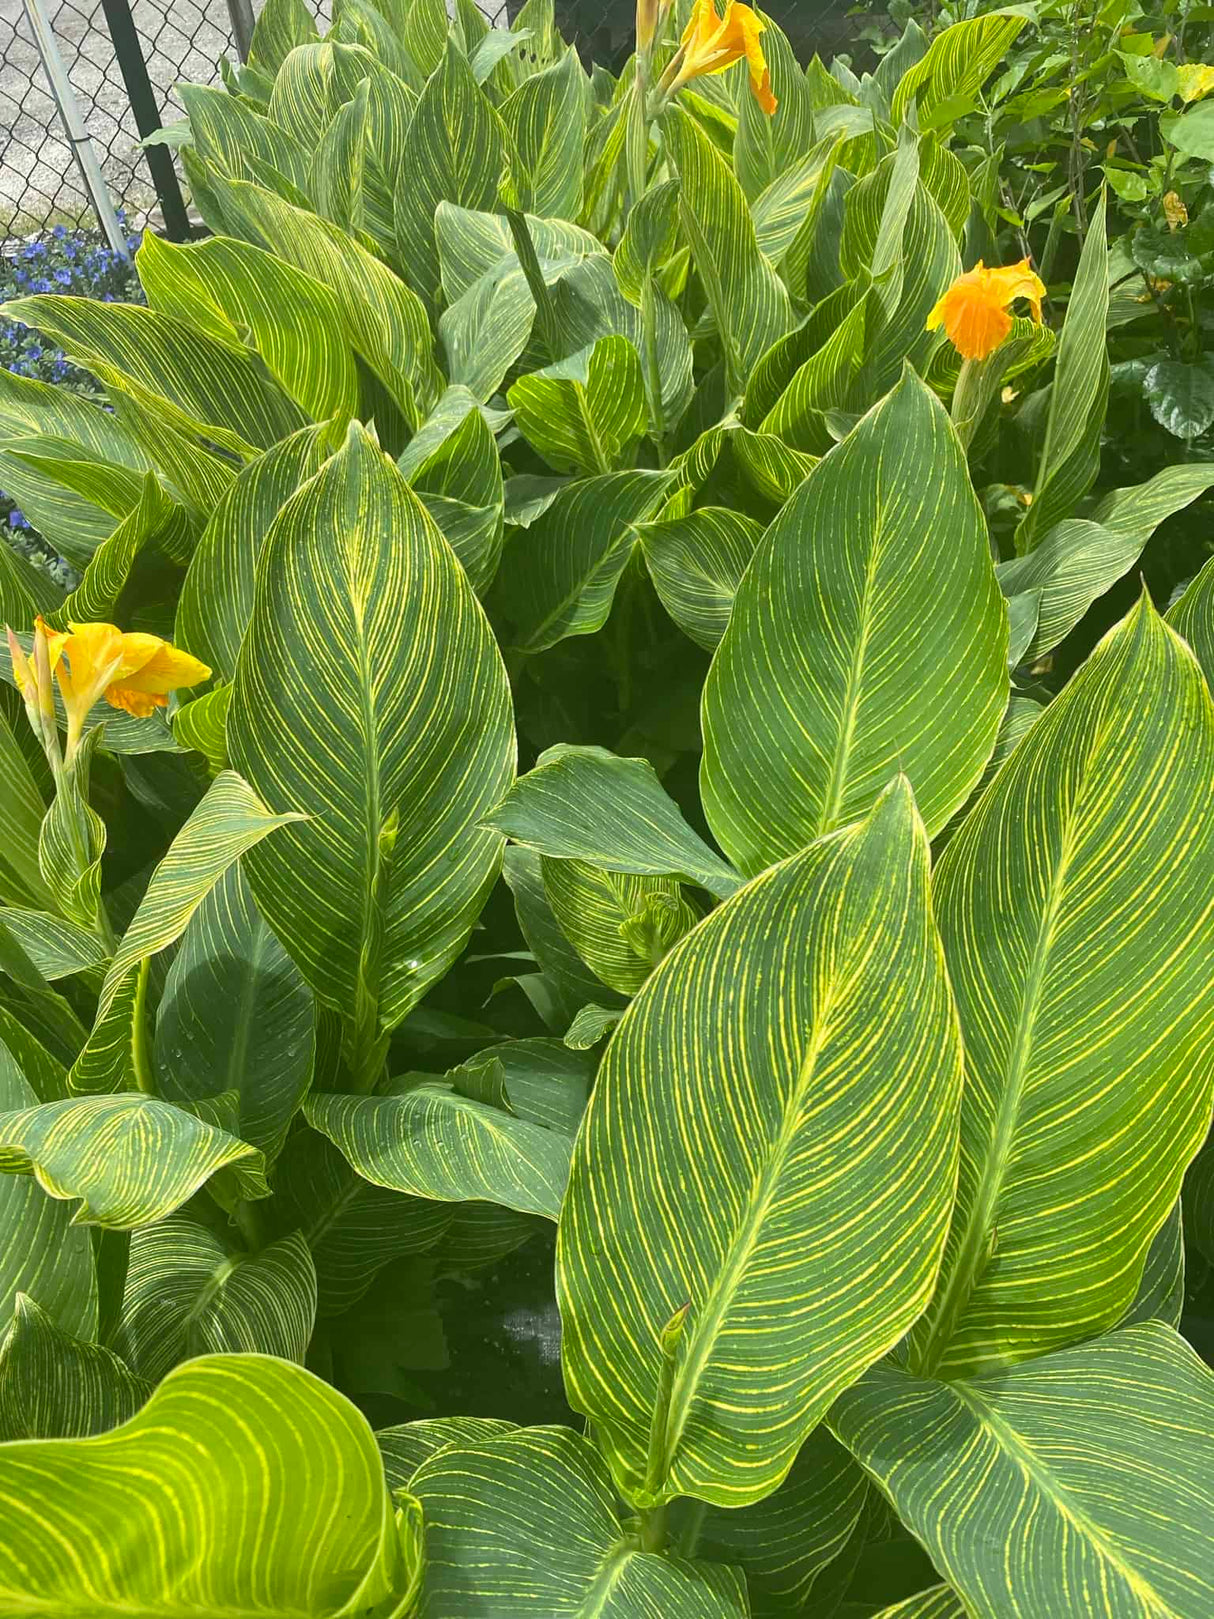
x=761 y=1186
x=1076 y=905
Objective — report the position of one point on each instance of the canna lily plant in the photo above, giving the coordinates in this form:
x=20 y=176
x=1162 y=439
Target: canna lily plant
x=604 y=995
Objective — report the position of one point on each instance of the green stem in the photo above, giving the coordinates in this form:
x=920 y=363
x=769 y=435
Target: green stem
x=529 y=260
x=658 y=1463
x=649 y=325
x=141 y=1056
x=653 y=1528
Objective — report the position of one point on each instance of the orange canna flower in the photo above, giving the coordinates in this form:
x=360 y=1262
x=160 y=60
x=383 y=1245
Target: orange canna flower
x=711 y=44
x=974 y=310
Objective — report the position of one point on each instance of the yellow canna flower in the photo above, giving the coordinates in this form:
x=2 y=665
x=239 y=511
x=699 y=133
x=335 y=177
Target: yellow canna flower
x=711 y=44
x=974 y=310
x=133 y=672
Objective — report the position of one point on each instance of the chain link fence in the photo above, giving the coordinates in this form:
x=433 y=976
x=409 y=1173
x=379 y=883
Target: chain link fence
x=183 y=40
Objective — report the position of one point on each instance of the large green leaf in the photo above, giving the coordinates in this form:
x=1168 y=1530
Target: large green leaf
x=1193 y=617
x=527 y=1524
x=236 y=1017
x=54 y=1386
x=293 y=321
x=384 y=320
x=453 y=464
x=588 y=804
x=431 y=1142
x=225 y=130
x=455 y=152
x=226 y=823
x=370 y=693
x=42 y=1253
x=193 y=379
x=558 y=577
x=129 y=1160
x=546 y=117
x=352 y=1227
x=1078 y=1483
x=186 y=1295
x=1070 y=454
x=780 y=1070
x=944 y=83
x=862 y=641
x=586 y=413
x=696 y=564
x=783 y=1542
x=940 y=1602
x=567 y=983
x=217 y=1498
x=1076 y=562
x=1082 y=882
x=620 y=924
x=748 y=299
x=768 y=144
x=216 y=600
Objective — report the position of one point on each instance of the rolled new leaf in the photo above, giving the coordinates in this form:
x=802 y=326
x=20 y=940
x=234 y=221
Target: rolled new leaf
x=770 y=1144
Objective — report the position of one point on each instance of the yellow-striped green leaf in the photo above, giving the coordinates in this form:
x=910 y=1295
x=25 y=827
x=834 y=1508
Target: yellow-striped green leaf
x=29 y=408
x=405 y=1447
x=191 y=473
x=315 y=80
x=784 y=1542
x=390 y=724
x=588 y=804
x=1193 y=617
x=779 y=1042
x=57 y=947
x=650 y=239
x=769 y=144
x=186 y=1295
x=748 y=299
x=584 y=414
x=1070 y=454
x=55 y=1386
x=358 y=22
x=72 y=841
x=1078 y=1483
x=823 y=383
x=620 y=924
x=940 y=1602
x=771 y=467
x=1082 y=880
x=1141 y=508
x=237 y=1521
x=21 y=813
x=454 y=153
x=786 y=213
x=559 y=576
x=281 y=25
x=236 y=1017
x=194 y=380
x=1161 y=1290
x=944 y=83
x=568 y=982
x=228 y=822
x=352 y=1228
x=696 y=564
x=472 y=242
x=429 y=1141
x=861 y=642
x=335 y=179
x=486 y=329
x=1076 y=562
x=73 y=499
x=452 y=462
x=293 y=321
x=383 y=319
x=129 y=1159
x=43 y=1254
x=156 y=524
x=526 y=1523
x=546 y=117
x=226 y=131
x=216 y=600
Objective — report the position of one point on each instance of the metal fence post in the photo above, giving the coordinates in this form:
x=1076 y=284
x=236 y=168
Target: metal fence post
x=240 y=14
x=147 y=115
x=74 y=127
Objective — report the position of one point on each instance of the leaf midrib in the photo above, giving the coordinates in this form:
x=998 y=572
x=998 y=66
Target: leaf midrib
x=1038 y=1473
